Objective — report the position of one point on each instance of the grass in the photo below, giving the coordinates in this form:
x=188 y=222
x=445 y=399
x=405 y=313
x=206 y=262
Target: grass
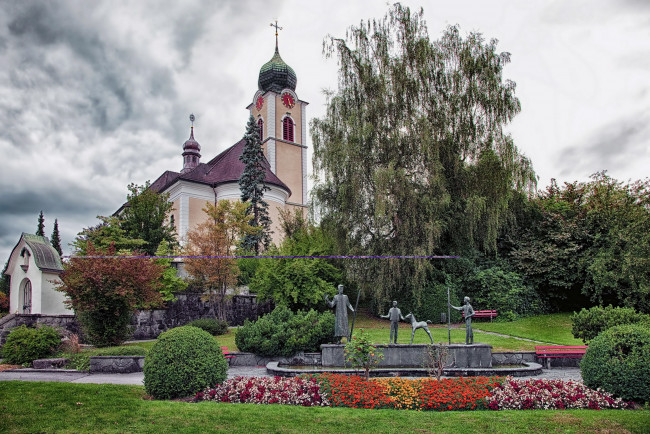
x=554 y=328
x=70 y=408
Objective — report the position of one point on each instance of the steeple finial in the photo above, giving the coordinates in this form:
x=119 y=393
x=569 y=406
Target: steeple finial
x=276 y=33
x=192 y=118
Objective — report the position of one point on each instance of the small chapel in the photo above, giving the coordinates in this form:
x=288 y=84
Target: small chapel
x=282 y=123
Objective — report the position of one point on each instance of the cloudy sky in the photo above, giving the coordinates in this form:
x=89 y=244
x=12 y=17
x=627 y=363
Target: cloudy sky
x=95 y=95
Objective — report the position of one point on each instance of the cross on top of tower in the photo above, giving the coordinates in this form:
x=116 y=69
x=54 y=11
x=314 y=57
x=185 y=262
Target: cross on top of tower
x=276 y=32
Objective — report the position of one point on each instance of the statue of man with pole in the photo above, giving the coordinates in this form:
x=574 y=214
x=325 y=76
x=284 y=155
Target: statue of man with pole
x=468 y=313
x=341 y=303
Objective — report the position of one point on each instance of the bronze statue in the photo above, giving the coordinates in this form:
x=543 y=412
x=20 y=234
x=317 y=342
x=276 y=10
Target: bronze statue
x=468 y=312
x=341 y=303
x=394 y=315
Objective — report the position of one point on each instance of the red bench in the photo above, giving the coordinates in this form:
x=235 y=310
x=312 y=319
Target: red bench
x=557 y=351
x=227 y=354
x=483 y=314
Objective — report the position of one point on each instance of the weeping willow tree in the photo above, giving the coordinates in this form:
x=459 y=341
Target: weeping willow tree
x=411 y=157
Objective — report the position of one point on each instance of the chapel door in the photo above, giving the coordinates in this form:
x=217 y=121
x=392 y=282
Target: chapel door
x=27 y=297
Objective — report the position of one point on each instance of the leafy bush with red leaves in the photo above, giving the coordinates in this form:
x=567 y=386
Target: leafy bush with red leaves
x=104 y=289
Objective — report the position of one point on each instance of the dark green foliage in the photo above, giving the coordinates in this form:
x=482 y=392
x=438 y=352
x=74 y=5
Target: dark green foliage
x=182 y=362
x=5 y=285
x=106 y=327
x=169 y=281
x=588 y=243
x=252 y=186
x=298 y=283
x=589 y=323
x=433 y=302
x=105 y=234
x=283 y=333
x=25 y=344
x=40 y=229
x=56 y=238
x=213 y=326
x=494 y=288
x=618 y=361
x=146 y=217
x=412 y=152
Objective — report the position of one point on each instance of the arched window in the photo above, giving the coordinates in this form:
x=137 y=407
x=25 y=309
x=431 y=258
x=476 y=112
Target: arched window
x=287 y=129
x=26 y=296
x=260 y=127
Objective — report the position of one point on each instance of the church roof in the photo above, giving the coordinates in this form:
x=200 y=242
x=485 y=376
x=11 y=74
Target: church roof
x=45 y=257
x=276 y=75
x=224 y=168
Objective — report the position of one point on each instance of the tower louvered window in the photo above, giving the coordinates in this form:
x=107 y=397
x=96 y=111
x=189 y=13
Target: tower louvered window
x=287 y=129
x=260 y=126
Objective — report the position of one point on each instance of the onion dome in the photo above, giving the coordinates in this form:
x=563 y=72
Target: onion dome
x=191 y=151
x=276 y=75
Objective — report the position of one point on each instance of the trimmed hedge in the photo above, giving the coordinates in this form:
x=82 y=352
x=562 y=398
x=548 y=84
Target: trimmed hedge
x=589 y=323
x=284 y=333
x=25 y=344
x=618 y=361
x=182 y=362
x=215 y=327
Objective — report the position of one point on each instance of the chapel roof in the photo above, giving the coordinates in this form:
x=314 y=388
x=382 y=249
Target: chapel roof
x=45 y=256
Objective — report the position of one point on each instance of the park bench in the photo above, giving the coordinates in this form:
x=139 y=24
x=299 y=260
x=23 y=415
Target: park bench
x=227 y=354
x=483 y=314
x=558 y=351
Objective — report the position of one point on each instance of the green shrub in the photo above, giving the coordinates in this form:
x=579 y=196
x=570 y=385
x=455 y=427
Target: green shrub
x=618 y=361
x=215 y=327
x=283 y=333
x=25 y=344
x=589 y=323
x=105 y=328
x=182 y=362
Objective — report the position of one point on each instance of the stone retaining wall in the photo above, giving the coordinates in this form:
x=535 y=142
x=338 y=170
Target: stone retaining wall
x=65 y=322
x=116 y=364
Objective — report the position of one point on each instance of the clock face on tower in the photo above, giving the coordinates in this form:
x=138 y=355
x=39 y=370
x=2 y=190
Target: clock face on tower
x=259 y=103
x=288 y=100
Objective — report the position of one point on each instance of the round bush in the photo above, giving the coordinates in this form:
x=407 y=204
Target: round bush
x=284 y=333
x=213 y=326
x=618 y=361
x=182 y=362
x=588 y=323
x=25 y=344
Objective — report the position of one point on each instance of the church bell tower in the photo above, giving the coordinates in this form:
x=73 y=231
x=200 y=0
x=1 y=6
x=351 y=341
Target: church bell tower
x=282 y=121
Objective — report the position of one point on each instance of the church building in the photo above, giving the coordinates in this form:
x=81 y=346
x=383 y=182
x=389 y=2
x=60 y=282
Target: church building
x=282 y=123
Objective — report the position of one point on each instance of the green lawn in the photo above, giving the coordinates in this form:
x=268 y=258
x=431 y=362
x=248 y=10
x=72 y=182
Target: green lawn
x=69 y=408
x=554 y=328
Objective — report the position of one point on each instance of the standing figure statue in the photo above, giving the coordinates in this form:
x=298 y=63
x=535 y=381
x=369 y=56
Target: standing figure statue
x=342 y=304
x=468 y=312
x=394 y=315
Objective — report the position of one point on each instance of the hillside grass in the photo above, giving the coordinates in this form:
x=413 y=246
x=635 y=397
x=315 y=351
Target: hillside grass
x=553 y=329
x=28 y=407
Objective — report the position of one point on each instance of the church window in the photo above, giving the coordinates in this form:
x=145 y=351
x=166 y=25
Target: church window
x=260 y=126
x=287 y=129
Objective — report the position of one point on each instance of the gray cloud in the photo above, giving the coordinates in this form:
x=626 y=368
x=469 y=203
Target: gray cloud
x=611 y=147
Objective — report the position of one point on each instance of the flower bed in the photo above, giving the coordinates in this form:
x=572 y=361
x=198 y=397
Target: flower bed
x=460 y=394
x=266 y=390
x=550 y=394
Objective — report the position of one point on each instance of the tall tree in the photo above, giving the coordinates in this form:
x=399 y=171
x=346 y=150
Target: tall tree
x=411 y=156
x=40 y=230
x=105 y=234
x=209 y=247
x=252 y=186
x=146 y=217
x=56 y=238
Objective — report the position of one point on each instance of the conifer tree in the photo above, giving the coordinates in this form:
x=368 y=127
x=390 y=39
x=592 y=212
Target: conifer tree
x=56 y=238
x=40 y=230
x=252 y=186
